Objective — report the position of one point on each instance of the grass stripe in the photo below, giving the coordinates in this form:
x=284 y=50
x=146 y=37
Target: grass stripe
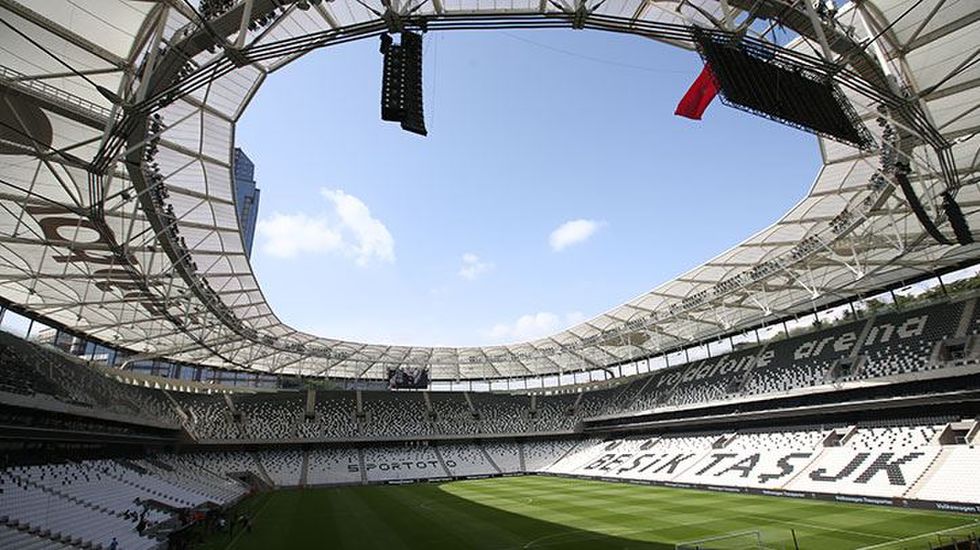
x=544 y=512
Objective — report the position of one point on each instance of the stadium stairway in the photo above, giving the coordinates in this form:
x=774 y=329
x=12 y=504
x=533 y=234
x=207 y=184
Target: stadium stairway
x=665 y=397
x=847 y=435
x=310 y=408
x=264 y=474
x=973 y=434
x=577 y=455
x=442 y=462
x=863 y=336
x=854 y=357
x=805 y=466
x=625 y=396
x=131 y=465
x=934 y=466
x=751 y=370
x=724 y=441
x=360 y=454
x=230 y=403
x=567 y=452
x=469 y=403
x=486 y=455
x=158 y=463
x=965 y=320
x=304 y=471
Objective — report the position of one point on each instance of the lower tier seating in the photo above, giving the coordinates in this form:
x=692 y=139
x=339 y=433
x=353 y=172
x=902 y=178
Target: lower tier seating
x=88 y=503
x=897 y=461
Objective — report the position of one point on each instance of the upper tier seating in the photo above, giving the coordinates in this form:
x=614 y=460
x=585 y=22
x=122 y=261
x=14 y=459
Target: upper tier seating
x=502 y=414
x=395 y=414
x=453 y=414
x=274 y=416
x=889 y=344
x=150 y=402
x=19 y=373
x=209 y=415
x=903 y=342
x=651 y=391
x=334 y=416
x=555 y=413
x=31 y=369
x=595 y=403
x=713 y=379
x=802 y=361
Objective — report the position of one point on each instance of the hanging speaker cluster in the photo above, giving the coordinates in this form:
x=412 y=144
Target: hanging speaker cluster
x=763 y=80
x=401 y=82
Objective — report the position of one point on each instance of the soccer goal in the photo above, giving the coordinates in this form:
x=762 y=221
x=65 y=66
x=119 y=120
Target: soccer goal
x=742 y=540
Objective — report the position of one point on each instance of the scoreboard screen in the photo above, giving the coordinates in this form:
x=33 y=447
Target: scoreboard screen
x=408 y=377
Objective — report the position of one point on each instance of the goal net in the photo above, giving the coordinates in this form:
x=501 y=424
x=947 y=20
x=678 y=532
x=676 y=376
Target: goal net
x=742 y=540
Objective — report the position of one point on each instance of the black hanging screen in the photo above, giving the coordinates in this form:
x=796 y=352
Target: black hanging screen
x=758 y=79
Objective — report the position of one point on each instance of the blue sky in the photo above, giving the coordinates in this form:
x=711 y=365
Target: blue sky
x=555 y=183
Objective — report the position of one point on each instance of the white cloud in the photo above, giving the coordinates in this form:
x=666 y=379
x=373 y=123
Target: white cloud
x=372 y=237
x=287 y=235
x=531 y=326
x=347 y=228
x=572 y=232
x=473 y=266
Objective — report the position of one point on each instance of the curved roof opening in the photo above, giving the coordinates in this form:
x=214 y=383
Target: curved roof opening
x=519 y=215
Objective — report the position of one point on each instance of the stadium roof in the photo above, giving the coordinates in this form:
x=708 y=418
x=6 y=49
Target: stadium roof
x=90 y=239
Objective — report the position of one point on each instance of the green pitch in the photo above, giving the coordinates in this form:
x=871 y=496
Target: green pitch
x=554 y=513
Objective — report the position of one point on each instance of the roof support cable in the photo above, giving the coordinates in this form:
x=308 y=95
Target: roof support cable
x=969 y=62
x=47 y=149
x=878 y=35
x=103 y=91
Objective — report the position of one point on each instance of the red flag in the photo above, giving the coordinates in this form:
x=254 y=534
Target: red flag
x=698 y=96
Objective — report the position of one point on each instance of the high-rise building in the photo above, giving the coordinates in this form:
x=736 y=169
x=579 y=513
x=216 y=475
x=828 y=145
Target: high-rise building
x=246 y=197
